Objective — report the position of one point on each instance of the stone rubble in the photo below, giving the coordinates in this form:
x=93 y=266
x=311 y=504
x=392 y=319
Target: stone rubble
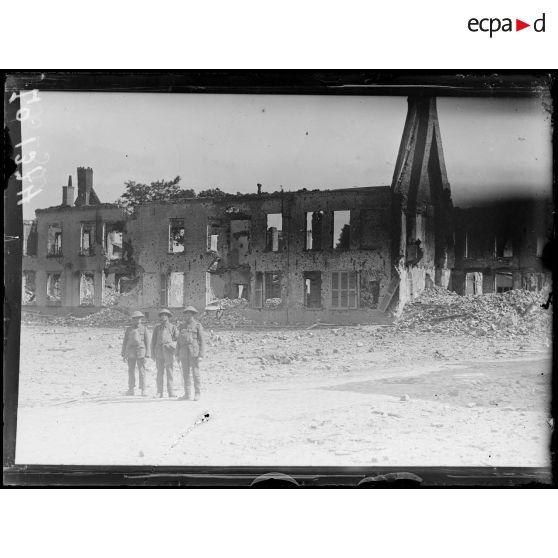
x=514 y=313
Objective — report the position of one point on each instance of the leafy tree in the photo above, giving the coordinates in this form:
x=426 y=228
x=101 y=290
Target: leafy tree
x=211 y=193
x=344 y=238
x=161 y=190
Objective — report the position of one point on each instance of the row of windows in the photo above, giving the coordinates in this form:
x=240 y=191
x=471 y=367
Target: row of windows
x=500 y=246
x=348 y=290
x=314 y=234
x=108 y=236
x=85 y=287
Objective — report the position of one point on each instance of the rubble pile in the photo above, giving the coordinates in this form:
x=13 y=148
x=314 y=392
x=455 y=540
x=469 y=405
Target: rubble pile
x=231 y=318
x=107 y=317
x=226 y=303
x=513 y=313
x=230 y=313
x=111 y=297
x=273 y=303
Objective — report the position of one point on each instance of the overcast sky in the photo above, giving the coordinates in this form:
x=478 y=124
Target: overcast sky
x=492 y=147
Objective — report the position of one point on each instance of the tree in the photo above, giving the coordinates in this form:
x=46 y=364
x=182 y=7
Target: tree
x=344 y=238
x=212 y=193
x=161 y=190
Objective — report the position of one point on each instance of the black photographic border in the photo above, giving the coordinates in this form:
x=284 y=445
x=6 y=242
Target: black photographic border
x=454 y=83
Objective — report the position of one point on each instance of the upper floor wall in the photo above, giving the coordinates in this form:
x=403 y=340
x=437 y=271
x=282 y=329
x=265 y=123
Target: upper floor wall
x=235 y=231
x=502 y=235
x=84 y=237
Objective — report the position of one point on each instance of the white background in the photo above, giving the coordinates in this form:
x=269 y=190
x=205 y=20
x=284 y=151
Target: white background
x=272 y=34
x=285 y=34
x=275 y=523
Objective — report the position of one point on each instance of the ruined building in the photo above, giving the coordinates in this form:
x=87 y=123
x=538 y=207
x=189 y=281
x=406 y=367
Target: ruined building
x=338 y=256
x=73 y=253
x=422 y=209
x=294 y=257
x=498 y=247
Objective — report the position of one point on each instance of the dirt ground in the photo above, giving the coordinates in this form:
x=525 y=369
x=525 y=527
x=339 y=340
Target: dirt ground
x=346 y=396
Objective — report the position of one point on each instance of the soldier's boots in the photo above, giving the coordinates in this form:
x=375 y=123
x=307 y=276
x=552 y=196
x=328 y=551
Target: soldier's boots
x=143 y=393
x=185 y=397
x=130 y=392
x=160 y=394
x=197 y=397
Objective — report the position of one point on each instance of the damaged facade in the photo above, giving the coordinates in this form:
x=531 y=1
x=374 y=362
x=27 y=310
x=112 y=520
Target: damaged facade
x=498 y=247
x=255 y=247
x=72 y=252
x=337 y=256
x=422 y=215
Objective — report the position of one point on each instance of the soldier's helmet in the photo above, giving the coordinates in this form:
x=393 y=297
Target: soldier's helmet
x=189 y=309
x=164 y=311
x=137 y=314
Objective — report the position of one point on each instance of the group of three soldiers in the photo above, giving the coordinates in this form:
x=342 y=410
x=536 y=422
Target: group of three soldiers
x=186 y=342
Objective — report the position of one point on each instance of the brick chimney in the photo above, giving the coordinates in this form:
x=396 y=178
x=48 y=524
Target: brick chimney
x=68 y=193
x=85 y=184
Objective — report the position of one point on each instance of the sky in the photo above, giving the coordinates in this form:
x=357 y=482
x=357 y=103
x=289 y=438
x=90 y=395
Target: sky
x=492 y=147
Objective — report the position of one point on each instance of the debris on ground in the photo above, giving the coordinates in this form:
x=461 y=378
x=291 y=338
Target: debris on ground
x=513 y=313
x=106 y=317
x=230 y=315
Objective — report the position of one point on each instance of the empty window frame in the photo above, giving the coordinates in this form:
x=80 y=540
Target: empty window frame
x=504 y=282
x=113 y=241
x=242 y=290
x=87 y=239
x=28 y=287
x=312 y=289
x=54 y=240
x=29 y=238
x=274 y=232
x=54 y=288
x=267 y=289
x=314 y=230
x=172 y=290
x=124 y=283
x=87 y=289
x=473 y=283
x=344 y=290
x=272 y=281
x=342 y=230
x=212 y=237
x=503 y=247
x=176 y=236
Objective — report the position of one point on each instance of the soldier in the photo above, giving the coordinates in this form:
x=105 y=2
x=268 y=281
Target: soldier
x=135 y=349
x=190 y=349
x=163 y=346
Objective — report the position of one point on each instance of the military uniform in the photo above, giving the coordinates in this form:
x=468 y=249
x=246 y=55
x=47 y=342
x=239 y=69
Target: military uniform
x=135 y=349
x=190 y=347
x=163 y=345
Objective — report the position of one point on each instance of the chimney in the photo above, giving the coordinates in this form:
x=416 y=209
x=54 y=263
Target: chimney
x=259 y=189
x=68 y=193
x=85 y=184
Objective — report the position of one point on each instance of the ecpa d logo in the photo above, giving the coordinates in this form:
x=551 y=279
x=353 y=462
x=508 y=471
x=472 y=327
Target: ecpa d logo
x=493 y=25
